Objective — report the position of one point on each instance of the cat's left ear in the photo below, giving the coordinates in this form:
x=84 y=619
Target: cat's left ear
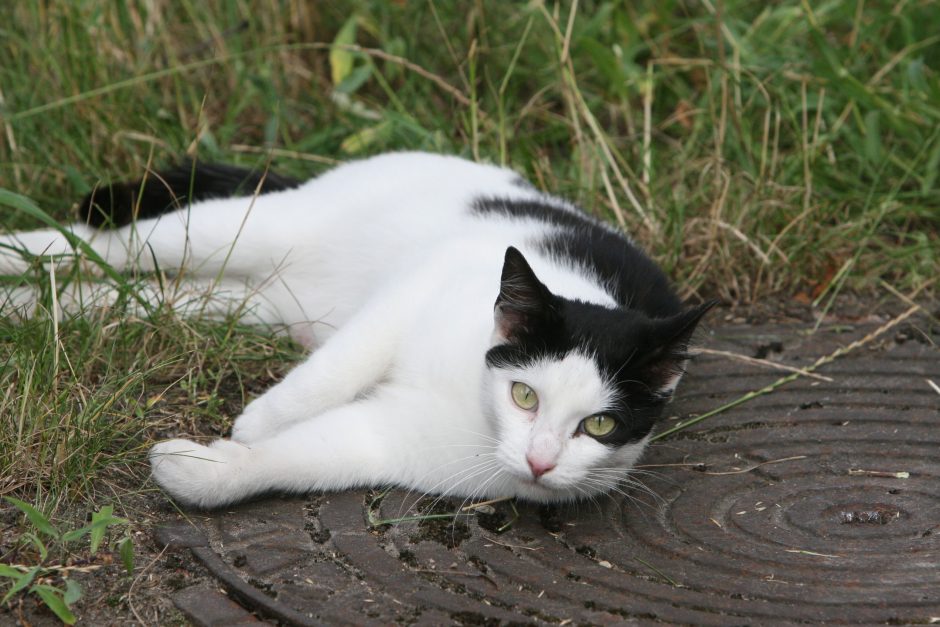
x=524 y=304
x=671 y=338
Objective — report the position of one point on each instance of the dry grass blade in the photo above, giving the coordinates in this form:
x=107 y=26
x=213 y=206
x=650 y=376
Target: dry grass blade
x=887 y=474
x=281 y=152
x=196 y=65
x=936 y=388
x=822 y=361
x=763 y=362
x=754 y=466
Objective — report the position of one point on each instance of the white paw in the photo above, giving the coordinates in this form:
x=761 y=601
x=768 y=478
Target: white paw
x=202 y=476
x=253 y=425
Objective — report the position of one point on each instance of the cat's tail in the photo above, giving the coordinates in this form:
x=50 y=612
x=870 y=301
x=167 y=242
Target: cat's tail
x=130 y=226
x=121 y=222
x=119 y=204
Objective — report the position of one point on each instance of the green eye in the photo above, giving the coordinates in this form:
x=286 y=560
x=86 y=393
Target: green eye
x=598 y=425
x=524 y=396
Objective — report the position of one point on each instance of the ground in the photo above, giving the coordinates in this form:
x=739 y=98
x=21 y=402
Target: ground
x=748 y=508
x=781 y=157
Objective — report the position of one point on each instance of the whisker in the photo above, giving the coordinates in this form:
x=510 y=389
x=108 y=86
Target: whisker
x=488 y=458
x=472 y=472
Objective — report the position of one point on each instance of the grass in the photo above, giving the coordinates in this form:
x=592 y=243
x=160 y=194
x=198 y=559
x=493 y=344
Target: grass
x=758 y=150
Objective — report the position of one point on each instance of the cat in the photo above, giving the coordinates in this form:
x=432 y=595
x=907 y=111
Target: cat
x=475 y=337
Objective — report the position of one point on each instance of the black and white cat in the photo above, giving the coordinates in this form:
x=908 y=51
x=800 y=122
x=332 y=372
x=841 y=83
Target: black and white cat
x=390 y=267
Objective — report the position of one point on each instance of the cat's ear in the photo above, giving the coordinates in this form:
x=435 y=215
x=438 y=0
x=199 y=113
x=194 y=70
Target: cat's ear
x=524 y=303
x=669 y=354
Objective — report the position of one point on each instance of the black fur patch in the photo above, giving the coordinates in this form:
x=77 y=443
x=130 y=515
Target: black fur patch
x=637 y=353
x=631 y=277
x=118 y=204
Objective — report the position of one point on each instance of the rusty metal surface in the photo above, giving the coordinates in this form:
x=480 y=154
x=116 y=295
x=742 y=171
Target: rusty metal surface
x=817 y=502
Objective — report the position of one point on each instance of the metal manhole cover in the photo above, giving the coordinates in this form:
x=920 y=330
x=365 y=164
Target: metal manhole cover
x=817 y=502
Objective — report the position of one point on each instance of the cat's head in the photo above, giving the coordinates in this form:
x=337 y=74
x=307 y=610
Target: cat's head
x=575 y=388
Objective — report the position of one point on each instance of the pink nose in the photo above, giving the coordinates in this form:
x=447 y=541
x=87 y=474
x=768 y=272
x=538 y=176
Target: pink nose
x=539 y=468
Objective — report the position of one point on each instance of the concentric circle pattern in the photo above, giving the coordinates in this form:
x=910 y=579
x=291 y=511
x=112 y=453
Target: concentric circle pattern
x=817 y=502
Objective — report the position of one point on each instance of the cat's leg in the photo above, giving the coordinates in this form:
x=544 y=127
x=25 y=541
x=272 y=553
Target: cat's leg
x=210 y=238
x=341 y=450
x=353 y=360
x=197 y=298
x=18 y=249
x=396 y=438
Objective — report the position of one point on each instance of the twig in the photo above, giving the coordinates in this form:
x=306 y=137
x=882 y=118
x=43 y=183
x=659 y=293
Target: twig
x=414 y=67
x=822 y=361
x=763 y=362
x=395 y=521
x=857 y=472
x=60 y=569
x=685 y=465
x=511 y=546
x=755 y=466
x=281 y=152
x=659 y=572
x=813 y=553
x=936 y=388
x=473 y=506
x=909 y=298
x=130 y=591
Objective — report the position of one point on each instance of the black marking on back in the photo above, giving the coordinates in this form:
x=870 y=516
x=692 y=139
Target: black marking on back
x=118 y=204
x=631 y=277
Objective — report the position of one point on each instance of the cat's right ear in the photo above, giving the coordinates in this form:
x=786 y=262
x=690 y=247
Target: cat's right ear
x=523 y=304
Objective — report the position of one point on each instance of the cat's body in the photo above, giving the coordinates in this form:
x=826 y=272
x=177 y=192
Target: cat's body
x=390 y=268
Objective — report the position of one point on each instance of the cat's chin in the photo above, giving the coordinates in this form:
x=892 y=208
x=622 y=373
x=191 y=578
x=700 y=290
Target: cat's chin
x=542 y=491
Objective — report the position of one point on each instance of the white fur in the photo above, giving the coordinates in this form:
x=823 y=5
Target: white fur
x=380 y=264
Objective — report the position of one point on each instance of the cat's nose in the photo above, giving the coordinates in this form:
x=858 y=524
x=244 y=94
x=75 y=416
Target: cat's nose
x=538 y=467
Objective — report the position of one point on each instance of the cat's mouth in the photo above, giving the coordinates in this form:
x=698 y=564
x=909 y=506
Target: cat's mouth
x=538 y=483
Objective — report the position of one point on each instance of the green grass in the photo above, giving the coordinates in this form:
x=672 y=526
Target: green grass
x=756 y=149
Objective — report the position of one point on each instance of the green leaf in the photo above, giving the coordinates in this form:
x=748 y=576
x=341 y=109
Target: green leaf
x=39 y=544
x=341 y=60
x=931 y=169
x=362 y=140
x=873 y=136
x=53 y=600
x=97 y=528
x=73 y=591
x=354 y=80
x=126 y=549
x=9 y=571
x=100 y=521
x=75 y=534
x=35 y=516
x=21 y=583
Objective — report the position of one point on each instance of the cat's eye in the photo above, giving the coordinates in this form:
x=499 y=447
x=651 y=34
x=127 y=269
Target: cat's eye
x=598 y=425
x=524 y=396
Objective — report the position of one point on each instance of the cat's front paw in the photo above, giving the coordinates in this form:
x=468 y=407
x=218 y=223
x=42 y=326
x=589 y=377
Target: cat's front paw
x=253 y=425
x=197 y=475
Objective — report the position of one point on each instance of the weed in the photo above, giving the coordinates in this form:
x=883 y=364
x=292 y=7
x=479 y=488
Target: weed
x=48 y=576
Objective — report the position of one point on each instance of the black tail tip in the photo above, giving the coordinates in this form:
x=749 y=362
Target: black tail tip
x=119 y=204
x=116 y=204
